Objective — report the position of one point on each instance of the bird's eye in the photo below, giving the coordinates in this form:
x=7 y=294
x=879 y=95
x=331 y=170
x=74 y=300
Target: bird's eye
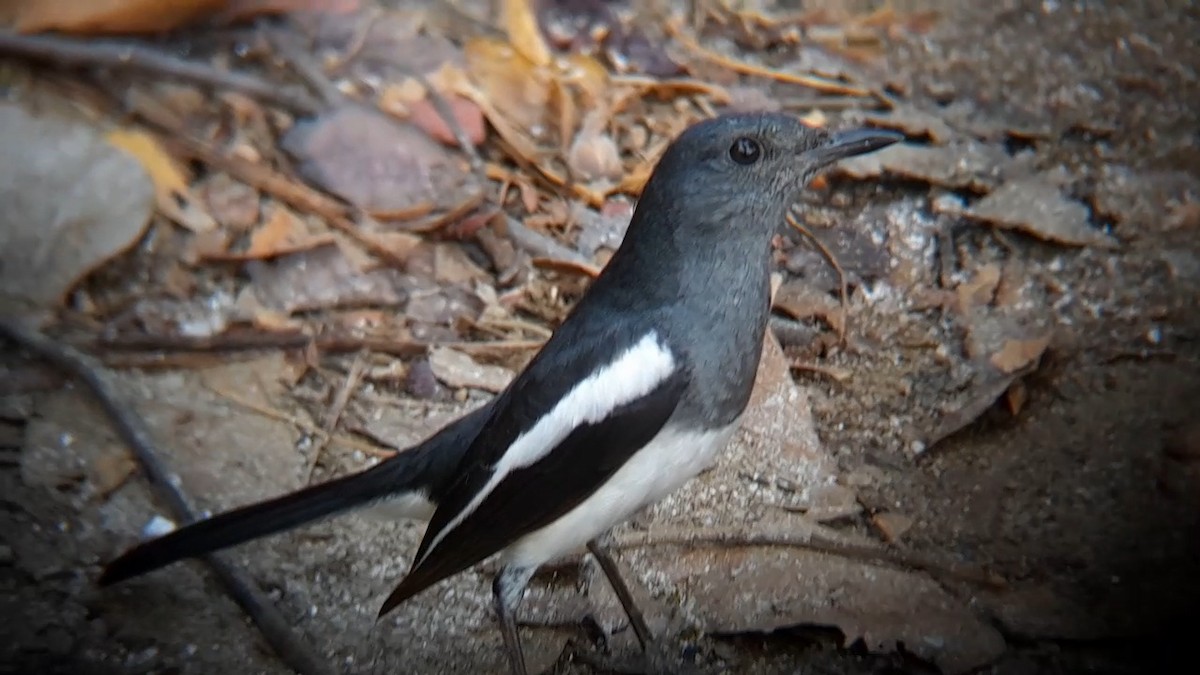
x=745 y=151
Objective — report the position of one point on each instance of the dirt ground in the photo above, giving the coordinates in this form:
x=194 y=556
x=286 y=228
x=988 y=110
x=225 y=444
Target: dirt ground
x=1086 y=500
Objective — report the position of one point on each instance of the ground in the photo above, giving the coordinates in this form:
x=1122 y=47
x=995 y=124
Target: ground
x=1080 y=489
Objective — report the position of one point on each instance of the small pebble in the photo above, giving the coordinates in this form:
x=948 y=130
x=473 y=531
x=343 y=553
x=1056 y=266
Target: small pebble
x=157 y=527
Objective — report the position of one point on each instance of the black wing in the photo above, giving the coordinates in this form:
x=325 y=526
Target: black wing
x=531 y=497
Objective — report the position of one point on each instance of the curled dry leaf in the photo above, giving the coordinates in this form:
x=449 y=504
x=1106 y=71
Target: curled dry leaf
x=593 y=154
x=71 y=202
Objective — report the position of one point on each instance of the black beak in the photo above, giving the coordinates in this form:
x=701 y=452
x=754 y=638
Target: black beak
x=845 y=144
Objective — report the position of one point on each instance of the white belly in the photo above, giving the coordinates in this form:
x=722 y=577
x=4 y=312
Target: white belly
x=663 y=466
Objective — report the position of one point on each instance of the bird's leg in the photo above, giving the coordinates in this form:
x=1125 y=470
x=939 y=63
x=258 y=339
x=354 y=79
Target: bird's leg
x=636 y=620
x=509 y=590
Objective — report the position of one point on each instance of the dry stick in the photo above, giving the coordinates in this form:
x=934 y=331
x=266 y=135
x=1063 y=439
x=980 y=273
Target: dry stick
x=843 y=289
x=723 y=538
x=68 y=52
x=291 y=649
x=311 y=430
x=335 y=344
x=340 y=401
x=335 y=213
x=811 y=81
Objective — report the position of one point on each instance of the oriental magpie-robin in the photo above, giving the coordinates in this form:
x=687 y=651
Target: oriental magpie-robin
x=631 y=397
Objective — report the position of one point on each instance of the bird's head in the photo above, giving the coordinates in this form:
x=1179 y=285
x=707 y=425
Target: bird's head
x=745 y=170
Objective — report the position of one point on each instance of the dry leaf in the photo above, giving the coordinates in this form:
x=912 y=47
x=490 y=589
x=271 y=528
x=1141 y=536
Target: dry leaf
x=1018 y=355
x=1015 y=397
x=892 y=525
x=512 y=84
x=593 y=154
x=964 y=166
x=71 y=201
x=172 y=196
x=1036 y=206
x=378 y=163
x=111 y=16
x=979 y=291
x=521 y=23
x=282 y=231
x=466 y=113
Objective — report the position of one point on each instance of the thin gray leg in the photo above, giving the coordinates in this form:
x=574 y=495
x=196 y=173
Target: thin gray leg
x=609 y=566
x=509 y=590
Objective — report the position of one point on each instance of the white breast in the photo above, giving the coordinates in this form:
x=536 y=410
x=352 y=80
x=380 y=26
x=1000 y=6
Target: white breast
x=667 y=462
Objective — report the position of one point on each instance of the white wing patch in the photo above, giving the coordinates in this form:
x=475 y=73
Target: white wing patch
x=633 y=374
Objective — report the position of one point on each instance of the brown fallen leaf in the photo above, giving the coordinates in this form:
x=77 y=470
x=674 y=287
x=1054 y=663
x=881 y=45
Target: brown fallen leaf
x=980 y=290
x=892 y=525
x=1017 y=355
x=111 y=16
x=71 y=201
x=466 y=113
x=515 y=87
x=1037 y=207
x=376 y=162
x=521 y=23
x=593 y=154
x=1015 y=397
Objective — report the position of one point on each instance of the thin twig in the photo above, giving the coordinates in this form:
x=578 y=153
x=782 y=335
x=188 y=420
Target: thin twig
x=333 y=344
x=336 y=408
x=727 y=538
x=306 y=67
x=69 y=52
x=542 y=246
x=843 y=287
x=310 y=429
x=810 y=81
x=290 y=648
x=338 y=215
x=442 y=107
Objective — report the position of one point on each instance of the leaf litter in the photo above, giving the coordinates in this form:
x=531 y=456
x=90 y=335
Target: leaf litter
x=369 y=222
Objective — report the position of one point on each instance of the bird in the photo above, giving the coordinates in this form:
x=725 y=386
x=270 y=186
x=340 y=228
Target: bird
x=631 y=396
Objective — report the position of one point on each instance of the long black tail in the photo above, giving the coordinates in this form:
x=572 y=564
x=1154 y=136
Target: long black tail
x=422 y=472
